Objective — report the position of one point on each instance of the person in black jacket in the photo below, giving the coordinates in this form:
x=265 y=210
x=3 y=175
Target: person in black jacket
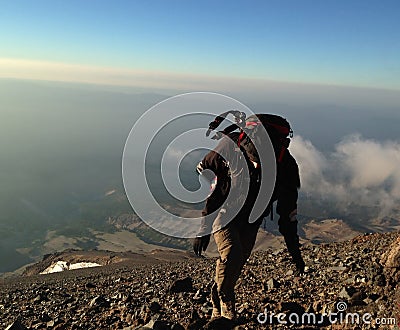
x=235 y=239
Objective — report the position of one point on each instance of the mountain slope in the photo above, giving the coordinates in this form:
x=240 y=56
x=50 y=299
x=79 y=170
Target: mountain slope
x=350 y=276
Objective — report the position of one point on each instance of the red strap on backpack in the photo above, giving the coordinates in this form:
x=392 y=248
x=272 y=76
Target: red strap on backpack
x=241 y=135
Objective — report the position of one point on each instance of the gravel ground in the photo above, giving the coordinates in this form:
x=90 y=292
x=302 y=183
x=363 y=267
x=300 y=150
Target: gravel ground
x=347 y=277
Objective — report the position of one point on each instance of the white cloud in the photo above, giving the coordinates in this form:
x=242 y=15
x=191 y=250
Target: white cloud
x=358 y=172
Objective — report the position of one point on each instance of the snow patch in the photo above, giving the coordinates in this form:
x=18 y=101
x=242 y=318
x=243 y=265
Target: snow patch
x=61 y=266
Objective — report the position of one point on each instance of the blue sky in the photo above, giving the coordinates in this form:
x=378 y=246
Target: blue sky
x=339 y=42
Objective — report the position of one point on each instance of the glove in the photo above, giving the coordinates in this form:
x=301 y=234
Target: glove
x=200 y=244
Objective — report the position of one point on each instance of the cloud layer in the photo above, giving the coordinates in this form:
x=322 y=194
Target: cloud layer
x=358 y=173
x=250 y=90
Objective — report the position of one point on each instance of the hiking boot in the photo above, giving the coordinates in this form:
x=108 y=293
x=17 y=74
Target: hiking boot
x=228 y=310
x=300 y=270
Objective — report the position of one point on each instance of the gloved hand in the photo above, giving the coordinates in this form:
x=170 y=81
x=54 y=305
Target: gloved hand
x=200 y=244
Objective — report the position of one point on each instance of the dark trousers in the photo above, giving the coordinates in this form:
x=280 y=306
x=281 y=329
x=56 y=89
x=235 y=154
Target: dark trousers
x=288 y=229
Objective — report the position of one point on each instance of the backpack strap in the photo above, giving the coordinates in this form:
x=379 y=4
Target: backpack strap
x=241 y=136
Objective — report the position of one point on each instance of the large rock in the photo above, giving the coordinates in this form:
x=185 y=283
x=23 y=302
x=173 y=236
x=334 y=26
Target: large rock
x=183 y=285
x=157 y=325
x=391 y=259
x=99 y=301
x=154 y=306
x=347 y=292
x=17 y=325
x=272 y=284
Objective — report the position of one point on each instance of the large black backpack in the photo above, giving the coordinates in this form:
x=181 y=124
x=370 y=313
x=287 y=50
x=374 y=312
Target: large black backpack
x=278 y=129
x=279 y=132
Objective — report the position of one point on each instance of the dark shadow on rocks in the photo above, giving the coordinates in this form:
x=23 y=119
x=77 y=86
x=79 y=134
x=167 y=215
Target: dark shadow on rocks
x=220 y=323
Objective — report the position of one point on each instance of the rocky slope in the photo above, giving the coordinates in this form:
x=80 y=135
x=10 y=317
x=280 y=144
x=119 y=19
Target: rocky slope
x=357 y=276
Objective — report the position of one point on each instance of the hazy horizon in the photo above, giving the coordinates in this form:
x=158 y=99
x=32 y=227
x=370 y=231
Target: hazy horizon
x=61 y=146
